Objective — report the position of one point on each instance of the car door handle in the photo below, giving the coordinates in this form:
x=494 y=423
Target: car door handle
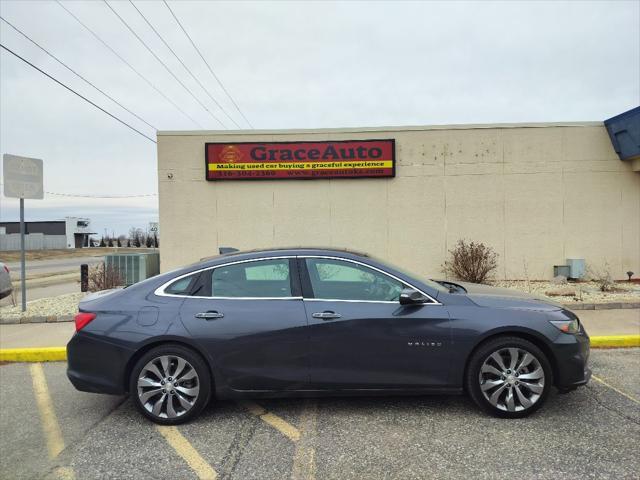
x=326 y=315
x=209 y=315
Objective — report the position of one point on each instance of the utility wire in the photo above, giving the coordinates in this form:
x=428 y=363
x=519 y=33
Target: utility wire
x=90 y=195
x=162 y=63
x=80 y=195
x=76 y=93
x=208 y=66
x=95 y=35
x=74 y=72
x=183 y=64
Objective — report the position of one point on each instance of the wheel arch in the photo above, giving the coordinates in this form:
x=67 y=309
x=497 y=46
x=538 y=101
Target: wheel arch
x=523 y=334
x=158 y=342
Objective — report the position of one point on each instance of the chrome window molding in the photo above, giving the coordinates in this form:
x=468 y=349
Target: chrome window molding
x=161 y=293
x=349 y=301
x=432 y=301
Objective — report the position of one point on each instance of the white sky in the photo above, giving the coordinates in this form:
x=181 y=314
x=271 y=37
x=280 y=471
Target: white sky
x=294 y=65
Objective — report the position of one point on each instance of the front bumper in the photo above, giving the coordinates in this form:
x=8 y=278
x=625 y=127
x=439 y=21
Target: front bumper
x=572 y=355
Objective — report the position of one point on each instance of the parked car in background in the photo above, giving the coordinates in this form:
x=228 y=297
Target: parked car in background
x=5 y=281
x=301 y=322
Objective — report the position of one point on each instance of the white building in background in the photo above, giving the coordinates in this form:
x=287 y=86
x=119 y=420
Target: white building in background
x=72 y=232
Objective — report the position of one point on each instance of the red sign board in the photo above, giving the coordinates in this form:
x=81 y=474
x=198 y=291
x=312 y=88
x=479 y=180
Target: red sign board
x=302 y=160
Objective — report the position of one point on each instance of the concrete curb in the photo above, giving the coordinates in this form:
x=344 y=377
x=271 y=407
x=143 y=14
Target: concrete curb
x=602 y=306
x=37 y=319
x=42 y=354
x=59 y=354
x=615 y=341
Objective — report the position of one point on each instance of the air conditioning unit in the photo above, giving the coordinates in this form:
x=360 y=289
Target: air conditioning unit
x=577 y=267
x=134 y=267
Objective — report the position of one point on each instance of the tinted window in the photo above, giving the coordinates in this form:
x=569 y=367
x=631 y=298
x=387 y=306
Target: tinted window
x=264 y=278
x=182 y=286
x=340 y=280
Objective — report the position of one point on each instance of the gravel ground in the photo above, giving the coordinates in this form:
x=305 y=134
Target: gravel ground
x=44 y=307
x=587 y=292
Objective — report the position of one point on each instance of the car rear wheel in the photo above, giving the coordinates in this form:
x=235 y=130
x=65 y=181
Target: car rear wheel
x=509 y=377
x=170 y=384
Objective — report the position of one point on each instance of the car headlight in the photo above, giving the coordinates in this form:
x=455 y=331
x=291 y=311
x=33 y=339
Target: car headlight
x=567 y=326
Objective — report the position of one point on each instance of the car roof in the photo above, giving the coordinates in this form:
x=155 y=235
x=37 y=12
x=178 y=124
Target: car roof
x=286 y=251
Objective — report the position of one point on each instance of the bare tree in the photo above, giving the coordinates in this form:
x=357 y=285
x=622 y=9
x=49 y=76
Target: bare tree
x=471 y=262
x=104 y=278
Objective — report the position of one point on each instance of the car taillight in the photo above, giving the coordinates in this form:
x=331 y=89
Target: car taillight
x=82 y=319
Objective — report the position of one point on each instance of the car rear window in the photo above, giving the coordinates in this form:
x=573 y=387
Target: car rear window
x=182 y=286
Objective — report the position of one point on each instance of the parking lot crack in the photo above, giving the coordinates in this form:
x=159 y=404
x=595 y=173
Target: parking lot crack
x=594 y=396
x=237 y=447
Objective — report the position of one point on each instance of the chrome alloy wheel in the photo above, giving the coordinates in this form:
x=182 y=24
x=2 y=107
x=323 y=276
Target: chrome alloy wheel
x=512 y=379
x=168 y=386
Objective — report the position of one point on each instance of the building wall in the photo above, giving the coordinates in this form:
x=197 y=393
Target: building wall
x=537 y=194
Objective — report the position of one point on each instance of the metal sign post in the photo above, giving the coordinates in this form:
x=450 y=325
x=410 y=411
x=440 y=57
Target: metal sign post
x=22 y=179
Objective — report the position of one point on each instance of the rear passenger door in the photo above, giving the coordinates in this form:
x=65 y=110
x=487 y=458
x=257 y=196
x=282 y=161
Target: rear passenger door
x=250 y=319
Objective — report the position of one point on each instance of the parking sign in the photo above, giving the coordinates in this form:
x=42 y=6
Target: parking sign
x=22 y=177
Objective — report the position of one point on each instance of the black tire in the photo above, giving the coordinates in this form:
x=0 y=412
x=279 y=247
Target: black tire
x=202 y=380
x=474 y=382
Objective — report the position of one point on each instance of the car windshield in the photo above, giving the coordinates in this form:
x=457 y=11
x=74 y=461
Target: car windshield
x=422 y=278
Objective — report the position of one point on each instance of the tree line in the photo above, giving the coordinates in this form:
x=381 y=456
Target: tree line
x=137 y=238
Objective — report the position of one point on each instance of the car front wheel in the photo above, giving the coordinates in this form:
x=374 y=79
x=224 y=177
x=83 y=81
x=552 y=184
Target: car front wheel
x=509 y=377
x=170 y=384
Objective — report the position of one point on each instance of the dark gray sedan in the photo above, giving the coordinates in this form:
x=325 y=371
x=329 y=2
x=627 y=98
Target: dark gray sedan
x=300 y=322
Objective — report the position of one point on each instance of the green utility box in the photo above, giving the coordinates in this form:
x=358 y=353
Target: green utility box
x=134 y=267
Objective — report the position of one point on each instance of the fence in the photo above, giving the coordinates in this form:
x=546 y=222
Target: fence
x=32 y=241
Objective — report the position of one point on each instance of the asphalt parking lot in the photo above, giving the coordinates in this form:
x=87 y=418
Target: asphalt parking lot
x=49 y=430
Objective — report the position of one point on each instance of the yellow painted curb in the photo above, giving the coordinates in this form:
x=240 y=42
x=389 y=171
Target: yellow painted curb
x=43 y=354
x=616 y=341
x=59 y=354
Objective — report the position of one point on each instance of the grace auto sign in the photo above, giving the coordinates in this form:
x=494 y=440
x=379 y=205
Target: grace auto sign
x=22 y=177
x=300 y=160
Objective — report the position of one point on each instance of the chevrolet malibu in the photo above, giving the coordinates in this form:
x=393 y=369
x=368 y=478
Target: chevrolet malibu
x=302 y=322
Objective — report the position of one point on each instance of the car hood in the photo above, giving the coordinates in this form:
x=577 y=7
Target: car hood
x=488 y=296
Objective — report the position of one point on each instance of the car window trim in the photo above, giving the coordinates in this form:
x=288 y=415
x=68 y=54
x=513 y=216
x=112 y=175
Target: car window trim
x=300 y=270
x=432 y=301
x=160 y=291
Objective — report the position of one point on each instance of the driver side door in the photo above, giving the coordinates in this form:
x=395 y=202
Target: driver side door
x=362 y=338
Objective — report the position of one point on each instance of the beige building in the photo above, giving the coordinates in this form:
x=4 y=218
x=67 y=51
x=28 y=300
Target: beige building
x=537 y=193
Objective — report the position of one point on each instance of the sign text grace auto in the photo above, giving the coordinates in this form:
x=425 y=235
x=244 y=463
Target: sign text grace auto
x=302 y=160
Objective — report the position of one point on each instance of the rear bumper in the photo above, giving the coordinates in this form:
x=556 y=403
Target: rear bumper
x=97 y=366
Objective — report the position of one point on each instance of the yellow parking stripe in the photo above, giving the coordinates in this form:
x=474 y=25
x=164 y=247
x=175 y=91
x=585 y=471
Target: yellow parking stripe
x=284 y=427
x=65 y=473
x=181 y=445
x=52 y=433
x=304 y=466
x=598 y=379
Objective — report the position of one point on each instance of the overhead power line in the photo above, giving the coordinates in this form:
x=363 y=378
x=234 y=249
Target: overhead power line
x=162 y=63
x=81 y=195
x=91 y=195
x=208 y=66
x=78 y=94
x=185 y=67
x=74 y=72
x=97 y=37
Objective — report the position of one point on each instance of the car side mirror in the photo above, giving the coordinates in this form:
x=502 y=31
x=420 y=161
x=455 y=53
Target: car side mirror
x=409 y=296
